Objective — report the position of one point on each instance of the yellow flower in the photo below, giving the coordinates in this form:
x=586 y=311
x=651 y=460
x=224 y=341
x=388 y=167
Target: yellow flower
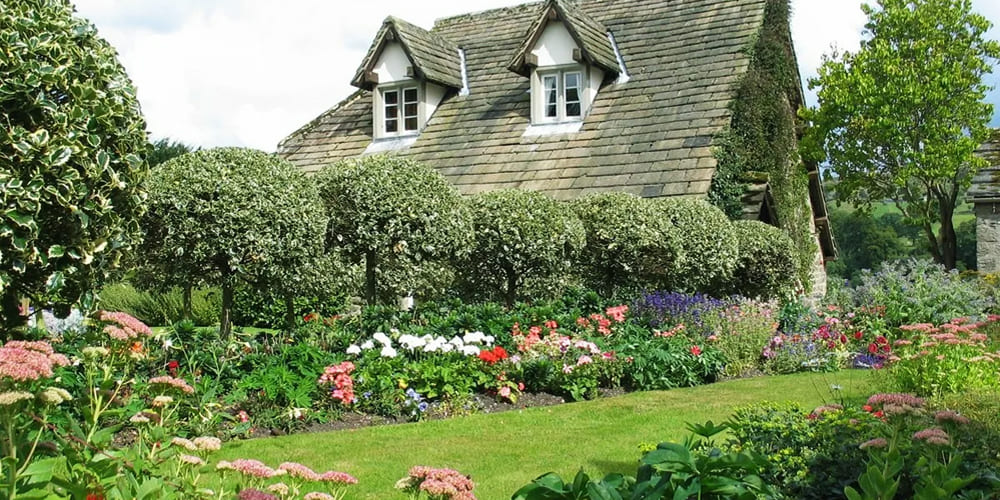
x=402 y=384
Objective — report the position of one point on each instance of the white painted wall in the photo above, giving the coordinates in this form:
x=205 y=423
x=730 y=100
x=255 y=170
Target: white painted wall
x=433 y=94
x=555 y=46
x=392 y=64
x=590 y=93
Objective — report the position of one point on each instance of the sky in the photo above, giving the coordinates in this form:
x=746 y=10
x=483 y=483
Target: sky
x=250 y=72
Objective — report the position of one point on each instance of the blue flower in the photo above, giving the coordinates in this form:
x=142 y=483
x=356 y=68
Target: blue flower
x=422 y=407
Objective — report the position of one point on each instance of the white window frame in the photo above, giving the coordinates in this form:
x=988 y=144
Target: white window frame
x=540 y=95
x=380 y=109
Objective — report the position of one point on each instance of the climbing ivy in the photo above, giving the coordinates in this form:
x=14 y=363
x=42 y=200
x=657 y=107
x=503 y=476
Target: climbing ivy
x=761 y=141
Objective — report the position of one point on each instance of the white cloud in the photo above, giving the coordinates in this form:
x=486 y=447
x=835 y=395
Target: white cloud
x=247 y=72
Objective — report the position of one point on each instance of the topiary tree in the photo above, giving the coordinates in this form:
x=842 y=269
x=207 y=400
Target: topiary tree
x=230 y=215
x=708 y=244
x=521 y=235
x=629 y=246
x=766 y=267
x=71 y=139
x=392 y=212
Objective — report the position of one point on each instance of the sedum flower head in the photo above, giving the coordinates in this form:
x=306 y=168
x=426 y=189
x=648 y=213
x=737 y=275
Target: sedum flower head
x=208 y=443
x=190 y=459
x=13 y=397
x=55 y=396
x=187 y=444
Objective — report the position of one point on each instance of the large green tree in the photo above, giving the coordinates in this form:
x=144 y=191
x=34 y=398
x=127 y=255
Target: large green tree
x=392 y=212
x=71 y=143
x=227 y=216
x=901 y=117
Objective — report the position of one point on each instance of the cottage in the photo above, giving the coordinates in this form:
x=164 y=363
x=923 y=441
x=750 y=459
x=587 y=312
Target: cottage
x=563 y=97
x=985 y=197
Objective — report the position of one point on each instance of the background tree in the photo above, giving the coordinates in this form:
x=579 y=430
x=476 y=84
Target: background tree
x=521 y=236
x=165 y=149
x=391 y=211
x=630 y=246
x=230 y=215
x=901 y=117
x=71 y=144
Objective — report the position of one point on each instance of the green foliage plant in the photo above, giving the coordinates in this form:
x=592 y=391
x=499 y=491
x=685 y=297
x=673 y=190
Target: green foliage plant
x=709 y=245
x=71 y=145
x=901 y=117
x=760 y=143
x=629 y=246
x=520 y=236
x=950 y=358
x=766 y=265
x=387 y=210
x=227 y=216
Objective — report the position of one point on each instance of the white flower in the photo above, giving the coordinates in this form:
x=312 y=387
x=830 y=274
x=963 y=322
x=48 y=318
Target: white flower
x=368 y=345
x=457 y=342
x=167 y=343
x=447 y=348
x=388 y=352
x=488 y=340
x=382 y=339
x=353 y=349
x=470 y=350
x=473 y=337
x=433 y=346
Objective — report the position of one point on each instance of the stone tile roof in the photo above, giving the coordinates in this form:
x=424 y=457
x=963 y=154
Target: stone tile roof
x=651 y=136
x=434 y=57
x=986 y=183
x=590 y=35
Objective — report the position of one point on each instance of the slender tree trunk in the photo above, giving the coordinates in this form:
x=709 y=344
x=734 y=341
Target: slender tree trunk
x=11 y=311
x=511 y=288
x=187 y=302
x=290 y=311
x=371 y=283
x=947 y=238
x=226 y=319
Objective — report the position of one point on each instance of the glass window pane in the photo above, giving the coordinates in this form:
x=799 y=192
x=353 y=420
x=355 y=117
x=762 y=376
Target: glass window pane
x=410 y=123
x=410 y=95
x=410 y=109
x=572 y=109
x=573 y=80
x=391 y=97
x=391 y=125
x=391 y=111
x=549 y=84
x=572 y=95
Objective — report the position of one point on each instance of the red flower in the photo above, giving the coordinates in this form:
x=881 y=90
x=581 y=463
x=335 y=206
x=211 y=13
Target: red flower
x=858 y=335
x=492 y=356
x=873 y=348
x=886 y=348
x=867 y=408
x=878 y=414
x=520 y=386
x=696 y=350
x=95 y=496
x=172 y=367
x=843 y=338
x=880 y=340
x=831 y=345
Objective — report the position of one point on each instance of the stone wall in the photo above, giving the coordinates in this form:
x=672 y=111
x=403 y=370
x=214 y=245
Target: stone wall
x=988 y=237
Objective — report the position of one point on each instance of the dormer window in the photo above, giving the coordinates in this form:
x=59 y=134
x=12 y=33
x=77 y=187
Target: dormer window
x=401 y=106
x=567 y=55
x=561 y=96
x=409 y=71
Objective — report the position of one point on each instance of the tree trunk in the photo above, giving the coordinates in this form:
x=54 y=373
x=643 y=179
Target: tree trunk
x=11 y=311
x=947 y=238
x=187 y=302
x=932 y=243
x=371 y=283
x=290 y=311
x=511 y=288
x=226 y=319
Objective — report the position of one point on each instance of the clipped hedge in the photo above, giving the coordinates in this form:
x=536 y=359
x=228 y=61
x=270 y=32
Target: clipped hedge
x=630 y=246
x=162 y=308
x=766 y=264
x=522 y=238
x=708 y=242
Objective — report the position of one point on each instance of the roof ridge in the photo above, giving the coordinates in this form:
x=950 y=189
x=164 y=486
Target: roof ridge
x=443 y=21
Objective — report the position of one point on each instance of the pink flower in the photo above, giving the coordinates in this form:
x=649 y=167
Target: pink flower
x=254 y=468
x=299 y=471
x=337 y=477
x=696 y=350
x=950 y=416
x=23 y=361
x=124 y=326
x=874 y=443
x=504 y=392
x=584 y=360
x=317 y=495
x=172 y=382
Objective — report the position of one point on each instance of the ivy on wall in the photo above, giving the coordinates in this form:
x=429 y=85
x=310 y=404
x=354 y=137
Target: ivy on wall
x=762 y=142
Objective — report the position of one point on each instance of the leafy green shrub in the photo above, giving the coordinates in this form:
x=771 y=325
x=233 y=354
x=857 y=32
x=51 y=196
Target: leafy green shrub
x=228 y=216
x=766 y=267
x=73 y=140
x=740 y=332
x=523 y=239
x=709 y=244
x=161 y=308
x=391 y=212
x=917 y=291
x=629 y=246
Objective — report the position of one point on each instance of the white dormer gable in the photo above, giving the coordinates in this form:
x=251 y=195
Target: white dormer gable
x=555 y=46
x=393 y=64
x=562 y=87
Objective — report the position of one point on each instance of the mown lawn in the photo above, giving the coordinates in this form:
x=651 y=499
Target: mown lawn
x=504 y=451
